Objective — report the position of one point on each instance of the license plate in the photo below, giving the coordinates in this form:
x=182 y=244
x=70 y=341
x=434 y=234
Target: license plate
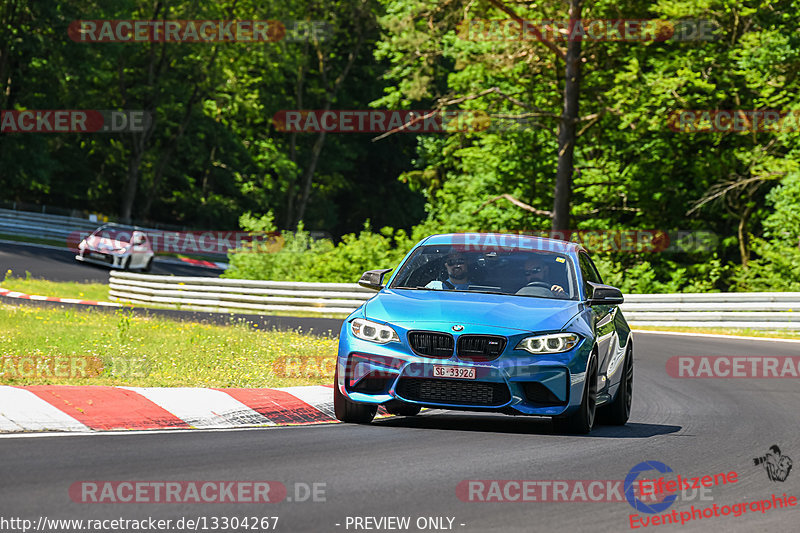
x=459 y=372
x=97 y=256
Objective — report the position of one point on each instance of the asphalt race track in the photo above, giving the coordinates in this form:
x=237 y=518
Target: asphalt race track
x=410 y=467
x=60 y=265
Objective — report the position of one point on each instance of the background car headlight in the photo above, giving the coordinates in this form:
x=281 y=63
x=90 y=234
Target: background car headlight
x=552 y=343
x=372 y=331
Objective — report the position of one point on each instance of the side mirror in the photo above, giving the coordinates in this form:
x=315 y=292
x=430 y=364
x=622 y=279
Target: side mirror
x=604 y=294
x=373 y=279
x=138 y=239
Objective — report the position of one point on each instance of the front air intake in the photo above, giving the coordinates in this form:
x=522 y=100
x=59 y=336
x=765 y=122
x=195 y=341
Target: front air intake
x=453 y=392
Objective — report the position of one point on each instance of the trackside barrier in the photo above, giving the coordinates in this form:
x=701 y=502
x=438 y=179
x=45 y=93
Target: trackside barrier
x=757 y=310
x=754 y=310
x=215 y=294
x=50 y=226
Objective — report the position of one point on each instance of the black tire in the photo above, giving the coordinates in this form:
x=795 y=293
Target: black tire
x=127 y=263
x=148 y=266
x=582 y=420
x=351 y=412
x=399 y=408
x=617 y=412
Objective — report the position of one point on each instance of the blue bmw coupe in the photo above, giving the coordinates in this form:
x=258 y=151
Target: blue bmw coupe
x=489 y=322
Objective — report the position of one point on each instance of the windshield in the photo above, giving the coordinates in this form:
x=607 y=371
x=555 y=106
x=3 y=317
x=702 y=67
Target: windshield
x=118 y=235
x=519 y=273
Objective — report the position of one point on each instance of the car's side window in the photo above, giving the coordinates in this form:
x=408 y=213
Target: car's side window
x=594 y=269
x=588 y=272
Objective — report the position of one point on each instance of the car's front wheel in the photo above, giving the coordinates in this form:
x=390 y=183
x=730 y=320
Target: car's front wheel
x=582 y=420
x=347 y=411
x=148 y=266
x=618 y=411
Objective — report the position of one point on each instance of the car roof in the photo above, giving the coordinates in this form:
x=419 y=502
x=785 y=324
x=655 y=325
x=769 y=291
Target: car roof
x=503 y=240
x=114 y=225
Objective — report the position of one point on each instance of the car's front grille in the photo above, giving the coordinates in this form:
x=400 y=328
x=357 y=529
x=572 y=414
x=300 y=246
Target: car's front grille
x=431 y=344
x=100 y=256
x=480 y=347
x=453 y=391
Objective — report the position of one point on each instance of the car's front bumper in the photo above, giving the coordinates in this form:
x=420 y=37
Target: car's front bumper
x=102 y=258
x=516 y=382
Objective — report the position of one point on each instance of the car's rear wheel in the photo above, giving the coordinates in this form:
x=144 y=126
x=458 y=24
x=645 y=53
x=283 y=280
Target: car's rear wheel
x=582 y=420
x=399 y=408
x=126 y=263
x=347 y=411
x=618 y=411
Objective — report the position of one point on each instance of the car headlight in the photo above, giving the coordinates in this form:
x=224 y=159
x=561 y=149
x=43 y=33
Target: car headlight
x=374 y=332
x=551 y=343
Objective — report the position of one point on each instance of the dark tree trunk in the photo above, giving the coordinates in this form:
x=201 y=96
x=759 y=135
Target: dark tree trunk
x=567 y=128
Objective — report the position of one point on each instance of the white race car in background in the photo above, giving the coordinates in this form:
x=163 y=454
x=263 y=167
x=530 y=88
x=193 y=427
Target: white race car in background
x=117 y=247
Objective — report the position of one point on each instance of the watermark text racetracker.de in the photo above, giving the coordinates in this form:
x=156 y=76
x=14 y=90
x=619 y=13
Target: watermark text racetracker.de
x=73 y=121
x=71 y=367
x=187 y=242
x=380 y=121
x=627 y=241
x=196 y=491
x=222 y=523
x=562 y=490
x=733 y=366
x=613 y=30
x=733 y=120
x=304 y=366
x=198 y=31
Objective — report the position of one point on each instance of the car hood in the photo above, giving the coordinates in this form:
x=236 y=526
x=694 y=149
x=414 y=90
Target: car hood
x=94 y=242
x=410 y=308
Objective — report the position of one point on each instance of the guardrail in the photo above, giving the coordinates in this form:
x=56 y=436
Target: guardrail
x=232 y=295
x=50 y=226
x=43 y=225
x=756 y=310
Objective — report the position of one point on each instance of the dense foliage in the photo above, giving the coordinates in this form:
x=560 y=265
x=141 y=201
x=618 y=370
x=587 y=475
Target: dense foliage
x=214 y=153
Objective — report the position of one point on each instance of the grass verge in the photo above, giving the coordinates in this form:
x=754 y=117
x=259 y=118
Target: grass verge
x=99 y=293
x=33 y=240
x=772 y=334
x=66 y=347
x=59 y=289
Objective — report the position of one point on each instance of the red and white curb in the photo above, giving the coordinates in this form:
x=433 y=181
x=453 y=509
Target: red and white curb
x=157 y=259
x=193 y=262
x=21 y=295
x=99 y=408
x=202 y=263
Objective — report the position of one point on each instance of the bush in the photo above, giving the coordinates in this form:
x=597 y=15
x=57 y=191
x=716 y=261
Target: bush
x=303 y=258
x=635 y=275
x=776 y=263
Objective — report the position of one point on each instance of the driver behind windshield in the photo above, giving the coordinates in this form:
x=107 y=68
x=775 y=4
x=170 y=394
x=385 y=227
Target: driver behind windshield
x=457 y=274
x=538 y=273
